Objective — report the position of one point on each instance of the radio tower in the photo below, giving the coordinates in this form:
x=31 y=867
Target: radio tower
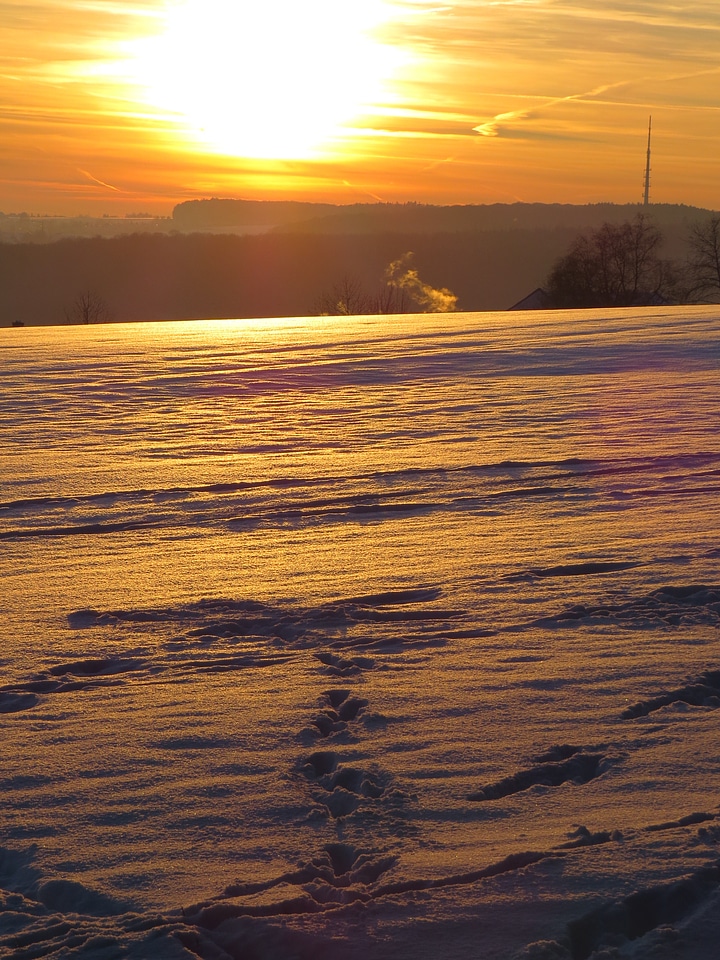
x=646 y=200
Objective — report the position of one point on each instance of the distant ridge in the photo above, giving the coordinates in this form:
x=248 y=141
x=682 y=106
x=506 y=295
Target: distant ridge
x=218 y=212
x=303 y=217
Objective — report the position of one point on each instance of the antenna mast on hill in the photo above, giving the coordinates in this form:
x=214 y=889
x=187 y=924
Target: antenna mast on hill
x=646 y=200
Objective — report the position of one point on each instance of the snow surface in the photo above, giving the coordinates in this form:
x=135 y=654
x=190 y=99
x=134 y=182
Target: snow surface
x=362 y=637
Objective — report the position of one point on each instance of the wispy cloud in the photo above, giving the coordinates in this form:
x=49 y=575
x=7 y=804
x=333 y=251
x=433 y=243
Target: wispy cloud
x=501 y=125
x=362 y=192
x=100 y=183
x=495 y=126
x=532 y=82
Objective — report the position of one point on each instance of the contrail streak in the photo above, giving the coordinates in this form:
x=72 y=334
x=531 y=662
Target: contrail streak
x=102 y=183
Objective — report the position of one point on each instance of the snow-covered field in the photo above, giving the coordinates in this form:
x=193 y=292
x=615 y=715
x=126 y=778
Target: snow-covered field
x=362 y=638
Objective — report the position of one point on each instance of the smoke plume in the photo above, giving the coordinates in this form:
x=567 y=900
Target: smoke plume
x=401 y=275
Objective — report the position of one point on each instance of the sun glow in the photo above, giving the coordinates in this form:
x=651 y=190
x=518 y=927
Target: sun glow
x=276 y=79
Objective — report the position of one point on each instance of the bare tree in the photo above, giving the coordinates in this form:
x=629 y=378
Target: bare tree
x=704 y=260
x=390 y=299
x=617 y=265
x=345 y=299
x=88 y=307
x=349 y=298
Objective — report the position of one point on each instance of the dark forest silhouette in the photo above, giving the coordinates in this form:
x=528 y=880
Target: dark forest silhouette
x=285 y=270
x=156 y=277
x=303 y=217
x=617 y=265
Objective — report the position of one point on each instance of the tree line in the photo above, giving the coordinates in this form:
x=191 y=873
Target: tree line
x=150 y=276
x=614 y=265
x=378 y=217
x=620 y=265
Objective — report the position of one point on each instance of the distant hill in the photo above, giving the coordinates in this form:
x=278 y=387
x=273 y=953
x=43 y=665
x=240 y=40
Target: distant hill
x=215 y=213
x=299 y=217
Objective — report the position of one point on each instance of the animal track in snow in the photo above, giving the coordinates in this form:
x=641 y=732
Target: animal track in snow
x=340 y=710
x=89 y=674
x=341 y=874
x=66 y=678
x=14 y=701
x=641 y=912
x=702 y=692
x=341 y=789
x=348 y=866
x=338 y=666
x=591 y=568
x=671 y=606
x=580 y=768
x=690 y=820
x=582 y=837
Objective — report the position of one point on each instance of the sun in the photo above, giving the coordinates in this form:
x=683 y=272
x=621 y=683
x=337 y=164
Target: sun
x=267 y=78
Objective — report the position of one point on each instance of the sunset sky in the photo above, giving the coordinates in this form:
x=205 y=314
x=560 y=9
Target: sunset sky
x=112 y=107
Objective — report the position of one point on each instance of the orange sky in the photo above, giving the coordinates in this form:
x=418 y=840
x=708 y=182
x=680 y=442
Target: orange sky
x=111 y=107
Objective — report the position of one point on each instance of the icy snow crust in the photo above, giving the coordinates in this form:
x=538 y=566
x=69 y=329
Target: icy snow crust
x=362 y=638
